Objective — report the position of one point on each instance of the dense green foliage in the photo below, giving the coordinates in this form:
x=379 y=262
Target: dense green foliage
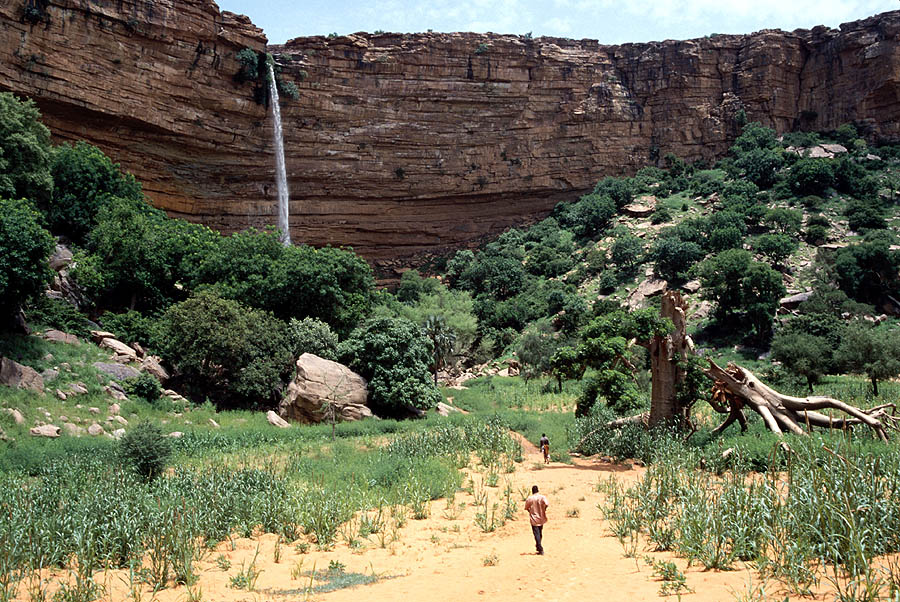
x=254 y=268
x=25 y=151
x=84 y=179
x=394 y=356
x=311 y=335
x=225 y=351
x=24 y=249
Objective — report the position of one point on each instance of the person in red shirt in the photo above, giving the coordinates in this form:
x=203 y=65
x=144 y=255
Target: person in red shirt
x=536 y=506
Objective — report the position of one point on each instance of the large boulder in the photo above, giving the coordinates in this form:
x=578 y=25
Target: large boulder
x=119 y=348
x=58 y=336
x=151 y=365
x=13 y=374
x=320 y=382
x=276 y=420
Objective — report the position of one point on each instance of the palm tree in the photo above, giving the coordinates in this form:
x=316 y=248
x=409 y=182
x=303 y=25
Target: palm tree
x=442 y=339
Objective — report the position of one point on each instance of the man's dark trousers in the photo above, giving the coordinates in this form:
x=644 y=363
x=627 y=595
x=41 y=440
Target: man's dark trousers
x=538 y=531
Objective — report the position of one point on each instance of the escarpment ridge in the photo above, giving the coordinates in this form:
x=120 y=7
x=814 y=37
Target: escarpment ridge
x=401 y=144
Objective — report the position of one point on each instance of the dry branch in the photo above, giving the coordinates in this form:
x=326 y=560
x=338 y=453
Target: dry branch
x=738 y=388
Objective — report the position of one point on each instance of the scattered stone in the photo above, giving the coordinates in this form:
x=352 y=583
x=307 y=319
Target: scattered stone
x=175 y=435
x=116 y=370
x=794 y=301
x=78 y=406
x=95 y=430
x=66 y=366
x=119 y=348
x=119 y=419
x=73 y=430
x=58 y=336
x=115 y=393
x=47 y=430
x=445 y=410
x=78 y=388
x=63 y=418
x=61 y=395
x=49 y=375
x=117 y=434
x=213 y=423
x=138 y=349
x=114 y=409
x=13 y=374
x=94 y=411
x=691 y=286
x=319 y=382
x=276 y=420
x=48 y=357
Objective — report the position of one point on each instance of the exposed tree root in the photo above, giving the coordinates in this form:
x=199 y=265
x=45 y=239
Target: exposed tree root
x=735 y=388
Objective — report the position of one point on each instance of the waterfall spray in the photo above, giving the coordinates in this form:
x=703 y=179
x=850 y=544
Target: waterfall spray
x=280 y=171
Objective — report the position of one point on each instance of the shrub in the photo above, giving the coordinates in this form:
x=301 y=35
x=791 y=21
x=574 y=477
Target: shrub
x=311 y=335
x=673 y=257
x=58 y=314
x=393 y=355
x=146 y=450
x=24 y=249
x=661 y=216
x=811 y=176
x=226 y=351
x=132 y=327
x=249 y=61
x=864 y=216
x=144 y=386
x=25 y=151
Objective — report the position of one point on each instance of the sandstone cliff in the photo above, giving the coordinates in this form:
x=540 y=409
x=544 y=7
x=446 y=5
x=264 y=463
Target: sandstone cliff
x=401 y=144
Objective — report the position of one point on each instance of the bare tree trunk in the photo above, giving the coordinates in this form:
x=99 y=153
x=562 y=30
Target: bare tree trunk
x=667 y=356
x=739 y=388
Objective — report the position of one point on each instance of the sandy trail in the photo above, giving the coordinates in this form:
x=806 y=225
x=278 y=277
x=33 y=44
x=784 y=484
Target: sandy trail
x=443 y=558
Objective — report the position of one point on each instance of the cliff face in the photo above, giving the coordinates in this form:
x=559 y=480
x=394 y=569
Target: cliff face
x=401 y=144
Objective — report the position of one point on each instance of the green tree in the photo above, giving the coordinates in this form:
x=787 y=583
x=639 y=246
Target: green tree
x=130 y=257
x=869 y=351
x=234 y=355
x=811 y=176
x=867 y=271
x=146 y=450
x=24 y=250
x=311 y=335
x=627 y=252
x=393 y=355
x=591 y=215
x=803 y=354
x=566 y=364
x=333 y=285
x=776 y=247
x=783 y=221
x=673 y=257
x=84 y=179
x=740 y=286
x=536 y=347
x=442 y=340
x=24 y=151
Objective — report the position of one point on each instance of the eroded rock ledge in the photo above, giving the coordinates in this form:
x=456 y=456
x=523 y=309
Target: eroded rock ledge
x=403 y=144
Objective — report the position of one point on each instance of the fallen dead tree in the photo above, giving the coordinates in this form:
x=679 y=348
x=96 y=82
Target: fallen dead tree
x=736 y=388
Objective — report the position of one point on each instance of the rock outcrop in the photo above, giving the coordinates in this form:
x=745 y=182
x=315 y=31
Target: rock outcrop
x=408 y=143
x=14 y=374
x=319 y=383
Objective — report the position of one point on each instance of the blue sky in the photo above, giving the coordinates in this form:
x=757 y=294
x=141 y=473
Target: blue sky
x=610 y=21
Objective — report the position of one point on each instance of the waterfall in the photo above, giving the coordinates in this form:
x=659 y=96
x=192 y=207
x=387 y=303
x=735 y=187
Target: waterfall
x=280 y=171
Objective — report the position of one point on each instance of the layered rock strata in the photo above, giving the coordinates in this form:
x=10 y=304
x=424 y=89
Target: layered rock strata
x=402 y=144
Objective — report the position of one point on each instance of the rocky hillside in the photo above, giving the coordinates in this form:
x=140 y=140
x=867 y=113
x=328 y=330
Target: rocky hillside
x=401 y=144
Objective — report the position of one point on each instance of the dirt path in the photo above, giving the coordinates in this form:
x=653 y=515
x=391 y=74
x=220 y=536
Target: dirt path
x=443 y=558
x=446 y=557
